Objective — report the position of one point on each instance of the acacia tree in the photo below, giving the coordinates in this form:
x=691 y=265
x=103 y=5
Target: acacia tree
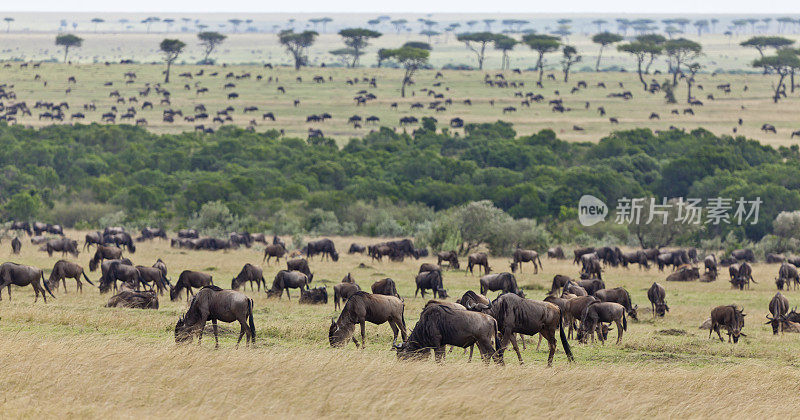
x=210 y=41
x=411 y=59
x=653 y=39
x=356 y=40
x=235 y=23
x=8 y=23
x=782 y=63
x=693 y=69
x=542 y=44
x=97 y=21
x=171 y=48
x=297 y=44
x=399 y=24
x=762 y=43
x=640 y=51
x=505 y=44
x=604 y=39
x=476 y=42
x=68 y=41
x=680 y=51
x=570 y=57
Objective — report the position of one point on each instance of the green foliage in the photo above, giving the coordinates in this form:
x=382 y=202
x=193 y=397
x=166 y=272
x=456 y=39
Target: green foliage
x=356 y=39
x=297 y=44
x=24 y=205
x=209 y=41
x=68 y=41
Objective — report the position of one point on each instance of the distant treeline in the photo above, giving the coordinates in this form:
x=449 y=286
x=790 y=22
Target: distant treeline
x=77 y=175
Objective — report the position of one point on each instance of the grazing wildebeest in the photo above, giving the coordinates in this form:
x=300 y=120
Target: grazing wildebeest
x=286 y=280
x=301 y=265
x=250 y=273
x=16 y=245
x=591 y=285
x=656 y=294
x=480 y=259
x=731 y=318
x=213 y=303
x=572 y=288
x=621 y=296
x=440 y=325
x=515 y=314
x=559 y=281
x=600 y=312
x=363 y=307
x=154 y=277
x=93 y=238
x=430 y=280
x=343 y=290
x=386 y=287
x=276 y=251
x=635 y=257
x=525 y=255
x=188 y=234
x=591 y=268
x=504 y=282
x=450 y=256
x=741 y=275
x=23 y=226
x=744 y=254
x=556 y=252
x=23 y=275
x=64 y=245
x=710 y=262
x=188 y=280
x=120 y=270
x=64 y=269
x=159 y=264
x=122 y=240
x=686 y=273
x=133 y=299
x=104 y=253
x=575 y=308
x=356 y=249
x=324 y=247
x=788 y=273
x=317 y=295
x=778 y=307
x=151 y=233
x=773 y=258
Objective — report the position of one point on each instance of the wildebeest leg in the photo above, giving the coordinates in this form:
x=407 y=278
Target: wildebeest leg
x=288 y=295
x=539 y=343
x=200 y=336
x=64 y=280
x=513 y=344
x=551 y=341
x=486 y=349
x=522 y=338
x=242 y=323
x=364 y=335
x=216 y=336
x=438 y=353
x=395 y=330
x=619 y=332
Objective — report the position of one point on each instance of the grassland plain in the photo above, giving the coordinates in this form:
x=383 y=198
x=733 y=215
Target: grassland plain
x=72 y=357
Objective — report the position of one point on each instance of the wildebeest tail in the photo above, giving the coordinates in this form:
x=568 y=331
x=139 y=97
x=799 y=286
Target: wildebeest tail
x=46 y=287
x=250 y=316
x=624 y=322
x=540 y=262
x=87 y=278
x=564 y=341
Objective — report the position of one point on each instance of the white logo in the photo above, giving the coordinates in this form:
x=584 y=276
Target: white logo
x=591 y=210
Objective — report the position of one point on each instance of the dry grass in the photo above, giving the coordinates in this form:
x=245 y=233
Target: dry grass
x=73 y=356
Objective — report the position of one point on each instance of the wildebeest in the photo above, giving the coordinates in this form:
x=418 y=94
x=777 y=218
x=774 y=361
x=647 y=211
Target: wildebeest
x=572 y=288
x=480 y=259
x=93 y=238
x=603 y=312
x=324 y=247
x=343 y=290
x=657 y=295
x=213 y=303
x=286 y=280
x=23 y=275
x=276 y=251
x=440 y=325
x=63 y=245
x=741 y=275
x=121 y=270
x=430 y=280
x=574 y=310
x=788 y=274
x=778 y=307
x=504 y=282
x=356 y=249
x=710 y=262
x=363 y=307
x=731 y=318
x=386 y=287
x=188 y=234
x=249 y=273
x=104 y=253
x=64 y=269
x=685 y=273
x=580 y=252
x=591 y=285
x=772 y=258
x=621 y=296
x=133 y=299
x=634 y=257
x=556 y=253
x=744 y=254
x=450 y=256
x=591 y=268
x=317 y=295
x=155 y=277
x=559 y=281
x=525 y=255
x=23 y=226
x=16 y=245
x=150 y=233
x=122 y=240
x=301 y=265
x=188 y=280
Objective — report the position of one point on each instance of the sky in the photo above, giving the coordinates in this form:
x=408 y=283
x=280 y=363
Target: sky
x=410 y=6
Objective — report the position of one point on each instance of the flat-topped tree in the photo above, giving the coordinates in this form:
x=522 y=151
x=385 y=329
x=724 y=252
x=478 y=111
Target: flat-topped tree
x=604 y=39
x=399 y=24
x=171 y=48
x=505 y=44
x=297 y=45
x=412 y=59
x=68 y=41
x=542 y=44
x=209 y=41
x=762 y=43
x=325 y=21
x=640 y=51
x=570 y=56
x=782 y=63
x=599 y=23
x=476 y=42
x=356 y=40
x=8 y=23
x=679 y=52
x=652 y=39
x=97 y=21
x=235 y=23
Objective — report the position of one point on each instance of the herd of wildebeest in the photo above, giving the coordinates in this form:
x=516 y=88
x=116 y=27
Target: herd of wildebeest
x=584 y=305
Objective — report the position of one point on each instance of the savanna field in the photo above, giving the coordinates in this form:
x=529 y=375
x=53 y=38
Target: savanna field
x=88 y=360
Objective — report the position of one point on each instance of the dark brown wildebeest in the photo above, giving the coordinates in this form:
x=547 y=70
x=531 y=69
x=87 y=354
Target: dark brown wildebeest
x=591 y=285
x=708 y=276
x=154 y=277
x=363 y=307
x=656 y=294
x=317 y=295
x=597 y=313
x=104 y=253
x=685 y=273
x=249 y=273
x=778 y=307
x=634 y=257
x=473 y=301
x=16 y=245
x=621 y=296
x=132 y=299
x=324 y=247
x=788 y=274
x=286 y=280
x=386 y=287
x=440 y=325
x=23 y=226
x=572 y=288
x=63 y=245
x=710 y=262
x=525 y=255
x=429 y=267
x=121 y=270
x=556 y=253
x=741 y=275
x=575 y=308
x=772 y=258
x=159 y=264
x=591 y=269
x=65 y=269
x=356 y=249
x=93 y=238
x=504 y=282
x=430 y=280
x=151 y=233
x=188 y=234
x=744 y=254
x=276 y=251
x=188 y=280
x=301 y=265
x=23 y=275
x=527 y=317
x=343 y=291
x=559 y=281
x=213 y=303
x=580 y=252
x=795 y=261
x=480 y=259
x=731 y=318
x=450 y=256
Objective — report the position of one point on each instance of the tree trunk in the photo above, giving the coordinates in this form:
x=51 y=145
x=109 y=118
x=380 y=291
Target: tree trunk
x=639 y=70
x=675 y=72
x=169 y=64
x=66 y=51
x=600 y=54
x=778 y=88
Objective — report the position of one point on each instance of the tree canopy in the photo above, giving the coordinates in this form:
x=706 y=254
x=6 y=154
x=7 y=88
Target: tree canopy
x=210 y=41
x=477 y=42
x=542 y=44
x=297 y=45
x=604 y=39
x=171 y=49
x=68 y=41
x=356 y=40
